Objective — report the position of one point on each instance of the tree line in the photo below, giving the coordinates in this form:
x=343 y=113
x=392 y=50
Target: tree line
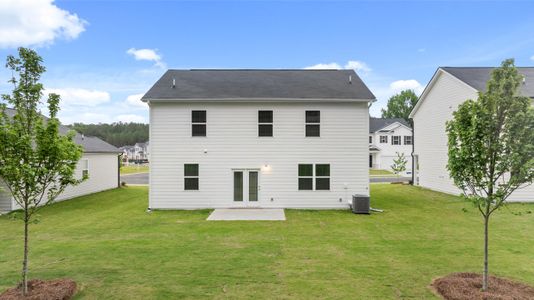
x=118 y=134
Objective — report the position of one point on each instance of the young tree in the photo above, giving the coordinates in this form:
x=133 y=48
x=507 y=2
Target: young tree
x=491 y=145
x=399 y=163
x=36 y=162
x=400 y=105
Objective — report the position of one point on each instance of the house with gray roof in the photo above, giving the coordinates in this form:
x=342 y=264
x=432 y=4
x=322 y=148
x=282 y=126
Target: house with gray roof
x=389 y=138
x=100 y=161
x=448 y=88
x=258 y=138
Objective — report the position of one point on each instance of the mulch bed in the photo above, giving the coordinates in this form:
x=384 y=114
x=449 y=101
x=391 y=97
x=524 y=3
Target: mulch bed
x=59 y=289
x=467 y=286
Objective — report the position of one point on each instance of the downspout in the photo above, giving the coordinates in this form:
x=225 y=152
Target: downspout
x=413 y=152
x=119 y=158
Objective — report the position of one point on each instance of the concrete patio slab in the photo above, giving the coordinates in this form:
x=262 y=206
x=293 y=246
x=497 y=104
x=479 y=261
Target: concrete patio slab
x=247 y=214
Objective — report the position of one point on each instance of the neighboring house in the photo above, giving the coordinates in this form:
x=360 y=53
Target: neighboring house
x=99 y=160
x=448 y=88
x=387 y=137
x=141 y=151
x=128 y=152
x=261 y=138
x=138 y=152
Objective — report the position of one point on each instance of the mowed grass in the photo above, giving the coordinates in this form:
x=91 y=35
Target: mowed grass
x=115 y=250
x=380 y=172
x=134 y=169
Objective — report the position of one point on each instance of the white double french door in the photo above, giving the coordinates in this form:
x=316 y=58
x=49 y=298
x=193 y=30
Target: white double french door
x=246 y=187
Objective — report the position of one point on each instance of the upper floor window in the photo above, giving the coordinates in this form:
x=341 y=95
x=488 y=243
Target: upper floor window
x=407 y=140
x=313 y=120
x=396 y=140
x=198 y=123
x=383 y=139
x=191 y=177
x=265 y=123
x=370 y=139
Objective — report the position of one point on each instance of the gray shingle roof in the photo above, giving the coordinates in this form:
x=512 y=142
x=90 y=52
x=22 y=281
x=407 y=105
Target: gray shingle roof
x=259 y=84
x=477 y=77
x=376 y=124
x=90 y=144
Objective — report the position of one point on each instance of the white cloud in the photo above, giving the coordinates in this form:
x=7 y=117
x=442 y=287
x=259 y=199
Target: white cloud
x=134 y=101
x=421 y=50
x=357 y=65
x=80 y=97
x=410 y=84
x=130 y=118
x=351 y=64
x=327 y=66
x=532 y=57
x=147 y=54
x=36 y=23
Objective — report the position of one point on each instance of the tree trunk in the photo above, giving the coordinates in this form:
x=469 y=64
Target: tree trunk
x=485 y=275
x=25 y=261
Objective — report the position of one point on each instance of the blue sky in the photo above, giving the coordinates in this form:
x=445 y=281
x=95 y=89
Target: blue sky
x=102 y=55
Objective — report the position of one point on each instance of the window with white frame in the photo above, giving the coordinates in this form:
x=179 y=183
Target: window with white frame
x=313 y=123
x=383 y=139
x=85 y=168
x=313 y=177
x=191 y=177
x=408 y=140
x=396 y=140
x=198 y=123
x=265 y=123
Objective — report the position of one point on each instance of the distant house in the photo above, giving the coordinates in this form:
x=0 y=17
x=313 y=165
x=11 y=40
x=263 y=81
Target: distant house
x=141 y=151
x=137 y=153
x=128 y=152
x=99 y=161
x=258 y=138
x=448 y=88
x=387 y=137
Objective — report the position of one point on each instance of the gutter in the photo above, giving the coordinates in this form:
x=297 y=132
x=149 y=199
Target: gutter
x=149 y=100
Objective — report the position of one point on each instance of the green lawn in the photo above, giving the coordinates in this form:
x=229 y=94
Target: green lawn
x=115 y=250
x=380 y=172
x=134 y=169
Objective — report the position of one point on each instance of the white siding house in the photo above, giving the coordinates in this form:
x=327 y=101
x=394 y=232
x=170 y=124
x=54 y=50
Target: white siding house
x=260 y=138
x=448 y=88
x=387 y=137
x=99 y=160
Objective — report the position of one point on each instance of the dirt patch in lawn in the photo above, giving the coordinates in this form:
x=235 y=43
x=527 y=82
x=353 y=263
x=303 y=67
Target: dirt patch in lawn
x=467 y=286
x=60 y=289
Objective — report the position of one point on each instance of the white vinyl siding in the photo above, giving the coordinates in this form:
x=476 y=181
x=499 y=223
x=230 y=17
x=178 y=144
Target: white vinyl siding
x=430 y=137
x=102 y=169
x=5 y=198
x=233 y=143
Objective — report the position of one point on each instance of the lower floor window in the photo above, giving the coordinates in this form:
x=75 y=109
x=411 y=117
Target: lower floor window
x=314 y=177
x=191 y=176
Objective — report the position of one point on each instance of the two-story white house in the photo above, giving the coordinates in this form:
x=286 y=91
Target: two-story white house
x=448 y=88
x=387 y=137
x=260 y=138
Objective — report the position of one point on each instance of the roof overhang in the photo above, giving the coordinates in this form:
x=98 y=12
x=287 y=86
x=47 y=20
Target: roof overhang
x=439 y=72
x=149 y=100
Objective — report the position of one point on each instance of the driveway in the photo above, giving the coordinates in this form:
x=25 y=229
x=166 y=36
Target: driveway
x=137 y=178
x=142 y=178
x=374 y=179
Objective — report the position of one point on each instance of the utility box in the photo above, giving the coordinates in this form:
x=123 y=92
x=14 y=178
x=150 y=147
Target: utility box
x=360 y=204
